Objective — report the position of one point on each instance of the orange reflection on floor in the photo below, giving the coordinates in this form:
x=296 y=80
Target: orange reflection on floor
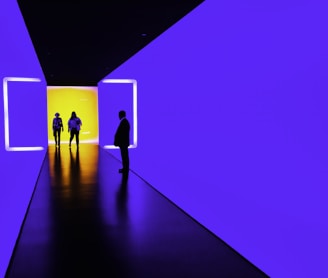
x=67 y=170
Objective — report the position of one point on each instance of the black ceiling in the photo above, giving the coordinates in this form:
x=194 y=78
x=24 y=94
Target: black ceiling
x=80 y=42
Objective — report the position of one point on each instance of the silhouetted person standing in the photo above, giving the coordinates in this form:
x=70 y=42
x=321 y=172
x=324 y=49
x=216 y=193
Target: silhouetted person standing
x=122 y=140
x=57 y=127
x=74 y=126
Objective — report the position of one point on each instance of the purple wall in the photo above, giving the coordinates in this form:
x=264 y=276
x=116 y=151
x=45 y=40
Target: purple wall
x=232 y=109
x=27 y=126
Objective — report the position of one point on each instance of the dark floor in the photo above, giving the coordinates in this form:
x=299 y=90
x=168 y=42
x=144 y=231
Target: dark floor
x=87 y=220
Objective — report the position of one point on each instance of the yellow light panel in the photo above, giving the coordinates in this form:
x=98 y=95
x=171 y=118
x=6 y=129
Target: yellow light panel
x=82 y=100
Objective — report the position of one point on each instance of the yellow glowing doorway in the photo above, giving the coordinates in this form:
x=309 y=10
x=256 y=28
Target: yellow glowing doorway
x=82 y=100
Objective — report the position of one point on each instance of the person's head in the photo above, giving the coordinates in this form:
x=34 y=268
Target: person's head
x=121 y=114
x=73 y=115
x=57 y=115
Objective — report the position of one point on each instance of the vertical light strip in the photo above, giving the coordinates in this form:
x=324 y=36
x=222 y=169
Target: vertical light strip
x=5 y=108
x=6 y=113
x=135 y=116
x=135 y=122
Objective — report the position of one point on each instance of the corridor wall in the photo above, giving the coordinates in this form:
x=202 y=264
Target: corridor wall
x=23 y=125
x=232 y=127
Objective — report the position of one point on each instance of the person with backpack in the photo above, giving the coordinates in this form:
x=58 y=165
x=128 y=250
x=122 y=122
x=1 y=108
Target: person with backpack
x=57 y=127
x=74 y=126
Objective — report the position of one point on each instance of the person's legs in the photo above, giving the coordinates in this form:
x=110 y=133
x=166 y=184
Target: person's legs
x=77 y=132
x=125 y=158
x=58 y=132
x=55 y=135
x=71 y=138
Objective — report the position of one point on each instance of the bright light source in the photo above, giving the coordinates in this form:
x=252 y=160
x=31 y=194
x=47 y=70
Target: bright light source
x=6 y=112
x=135 y=117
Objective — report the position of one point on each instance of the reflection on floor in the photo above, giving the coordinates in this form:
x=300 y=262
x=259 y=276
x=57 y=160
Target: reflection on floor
x=87 y=220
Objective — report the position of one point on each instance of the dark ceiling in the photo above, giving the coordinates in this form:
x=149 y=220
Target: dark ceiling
x=80 y=42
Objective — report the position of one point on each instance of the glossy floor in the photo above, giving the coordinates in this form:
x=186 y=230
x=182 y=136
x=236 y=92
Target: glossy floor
x=87 y=220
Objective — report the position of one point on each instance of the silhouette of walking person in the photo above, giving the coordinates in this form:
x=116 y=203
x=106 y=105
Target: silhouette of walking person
x=57 y=127
x=74 y=126
x=122 y=140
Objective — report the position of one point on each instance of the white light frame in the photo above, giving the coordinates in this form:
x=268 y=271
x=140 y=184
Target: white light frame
x=135 y=115
x=6 y=113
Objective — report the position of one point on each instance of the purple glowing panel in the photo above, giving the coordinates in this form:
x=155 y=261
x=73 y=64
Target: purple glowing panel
x=23 y=124
x=115 y=95
x=233 y=124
